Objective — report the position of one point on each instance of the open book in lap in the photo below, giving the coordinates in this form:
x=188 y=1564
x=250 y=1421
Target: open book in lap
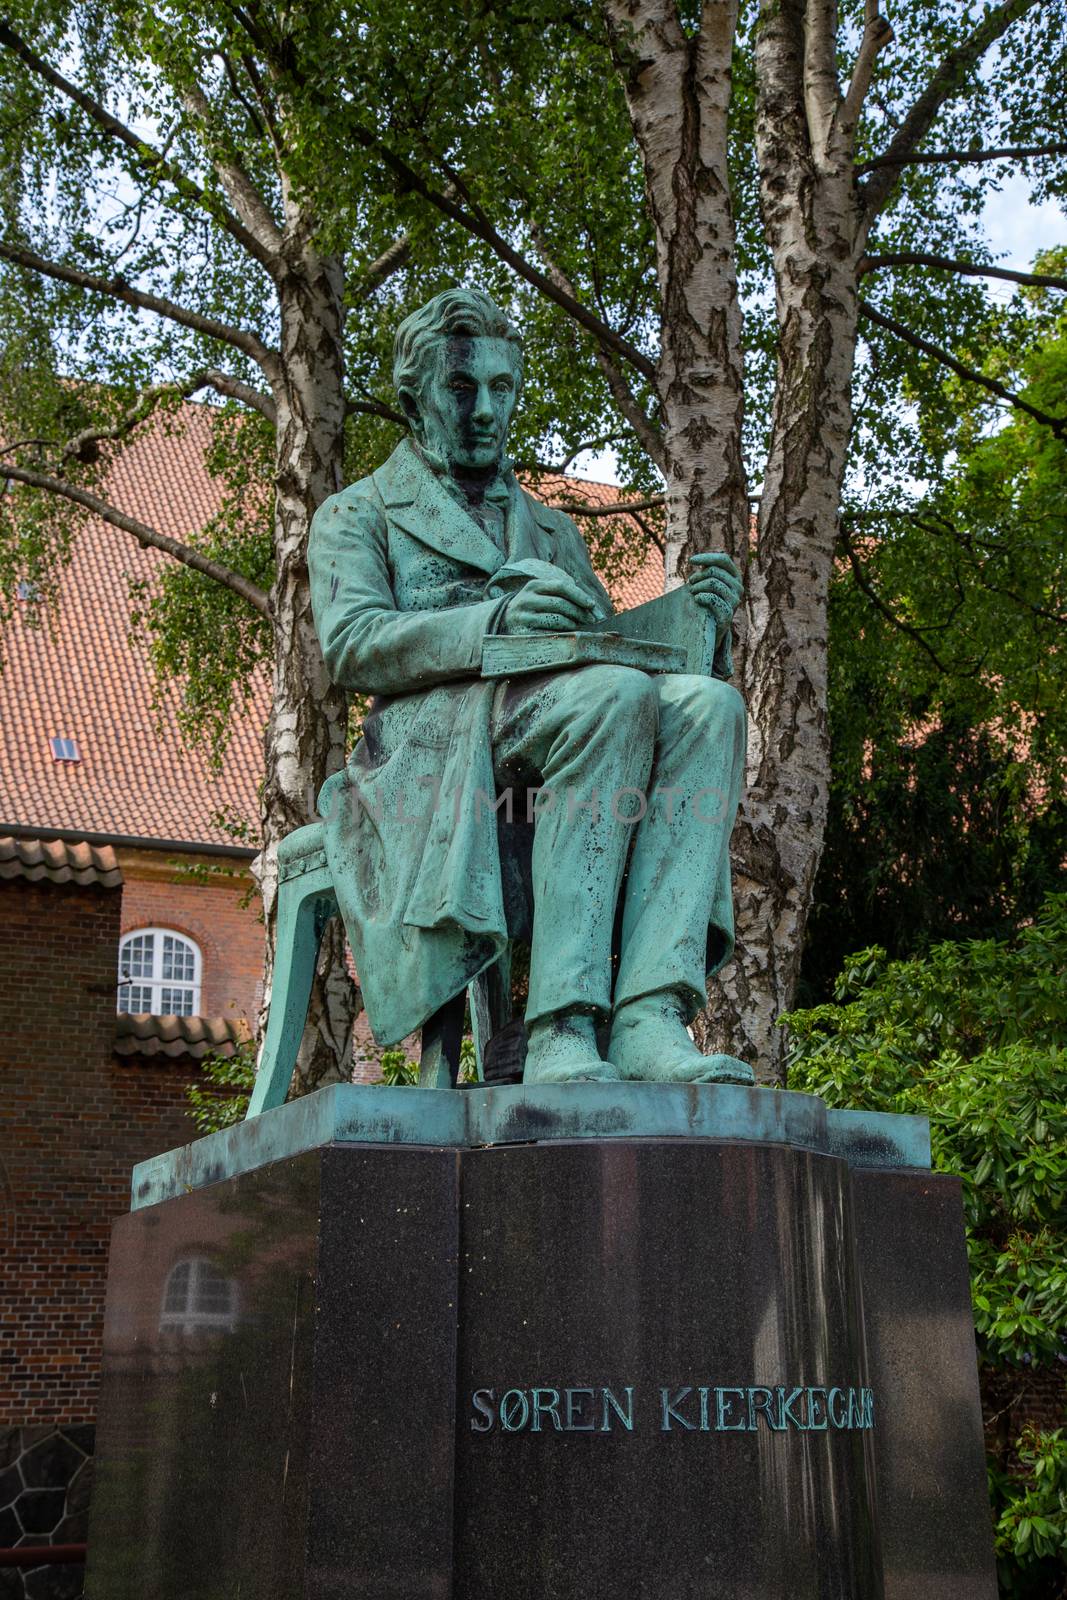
x=669 y=634
x=675 y=619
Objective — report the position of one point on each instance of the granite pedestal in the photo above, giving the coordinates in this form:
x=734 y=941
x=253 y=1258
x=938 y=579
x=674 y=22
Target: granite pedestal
x=498 y=1344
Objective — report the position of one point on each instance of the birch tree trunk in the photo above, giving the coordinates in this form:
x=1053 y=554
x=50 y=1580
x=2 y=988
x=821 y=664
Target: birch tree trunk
x=678 y=94
x=305 y=736
x=814 y=223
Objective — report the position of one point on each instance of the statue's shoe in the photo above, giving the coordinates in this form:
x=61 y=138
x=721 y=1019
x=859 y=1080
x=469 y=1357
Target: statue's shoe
x=650 y=1042
x=562 y=1049
x=718 y=1069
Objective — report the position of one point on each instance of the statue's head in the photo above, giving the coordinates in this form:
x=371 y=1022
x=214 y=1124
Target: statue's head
x=457 y=368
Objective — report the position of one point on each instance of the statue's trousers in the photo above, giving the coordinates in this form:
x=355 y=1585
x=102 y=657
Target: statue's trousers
x=637 y=774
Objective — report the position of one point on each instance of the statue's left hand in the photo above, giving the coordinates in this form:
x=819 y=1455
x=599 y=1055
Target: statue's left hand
x=715 y=583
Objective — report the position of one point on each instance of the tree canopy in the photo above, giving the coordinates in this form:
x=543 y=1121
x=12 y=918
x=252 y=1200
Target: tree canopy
x=948 y=700
x=745 y=241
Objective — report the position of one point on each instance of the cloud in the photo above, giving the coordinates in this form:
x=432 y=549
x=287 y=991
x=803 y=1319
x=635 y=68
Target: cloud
x=1017 y=227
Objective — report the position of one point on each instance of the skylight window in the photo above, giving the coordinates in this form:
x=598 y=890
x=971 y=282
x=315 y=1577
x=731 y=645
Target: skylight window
x=64 y=749
x=27 y=590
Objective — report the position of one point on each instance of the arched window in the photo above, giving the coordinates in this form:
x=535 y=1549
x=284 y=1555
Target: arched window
x=198 y=1298
x=159 y=972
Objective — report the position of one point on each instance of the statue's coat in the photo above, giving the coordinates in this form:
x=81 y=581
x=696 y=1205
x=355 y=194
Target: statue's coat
x=400 y=581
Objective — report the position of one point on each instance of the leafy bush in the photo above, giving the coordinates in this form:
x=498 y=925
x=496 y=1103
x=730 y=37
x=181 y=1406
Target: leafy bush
x=221 y=1096
x=398 y=1071
x=1032 y=1526
x=971 y=1036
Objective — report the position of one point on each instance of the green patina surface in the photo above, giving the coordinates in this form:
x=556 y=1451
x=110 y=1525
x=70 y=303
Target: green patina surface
x=520 y=1114
x=472 y=614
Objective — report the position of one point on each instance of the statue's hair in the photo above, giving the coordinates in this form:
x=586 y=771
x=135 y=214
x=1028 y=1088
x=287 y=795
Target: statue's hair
x=456 y=313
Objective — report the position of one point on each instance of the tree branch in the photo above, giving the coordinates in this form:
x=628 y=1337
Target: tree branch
x=82 y=445
x=650 y=533
x=620 y=508
x=864 y=583
x=256 y=597
x=947 y=80
x=778 y=55
x=822 y=91
x=390 y=261
x=590 y=444
x=256 y=120
x=236 y=389
x=631 y=409
x=24 y=444
x=148 y=157
x=979 y=565
x=265 y=103
x=376 y=408
x=911 y=258
x=1057 y=424
x=626 y=402
x=963 y=158
x=476 y=222
x=118 y=289
x=245 y=198
x=877 y=33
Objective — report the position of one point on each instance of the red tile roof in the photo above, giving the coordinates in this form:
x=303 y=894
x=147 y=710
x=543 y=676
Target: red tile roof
x=140 y=1034
x=57 y=862
x=641 y=575
x=81 y=675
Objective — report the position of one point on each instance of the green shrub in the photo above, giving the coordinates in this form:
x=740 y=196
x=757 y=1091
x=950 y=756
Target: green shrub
x=972 y=1036
x=220 y=1097
x=398 y=1070
x=1032 y=1525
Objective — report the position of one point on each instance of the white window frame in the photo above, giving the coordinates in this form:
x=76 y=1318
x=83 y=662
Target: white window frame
x=191 y=1316
x=154 y=981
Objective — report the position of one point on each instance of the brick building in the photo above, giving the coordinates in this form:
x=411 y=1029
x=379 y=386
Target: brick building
x=79 y=1108
x=130 y=948
x=91 y=751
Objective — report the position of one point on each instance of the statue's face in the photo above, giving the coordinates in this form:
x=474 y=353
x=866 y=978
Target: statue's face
x=466 y=403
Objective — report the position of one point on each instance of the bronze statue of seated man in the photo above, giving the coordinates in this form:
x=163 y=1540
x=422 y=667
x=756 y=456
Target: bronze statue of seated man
x=635 y=774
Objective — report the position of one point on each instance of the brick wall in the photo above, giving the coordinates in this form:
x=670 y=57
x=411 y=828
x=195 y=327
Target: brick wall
x=74 y=1119
x=216 y=903
x=213 y=902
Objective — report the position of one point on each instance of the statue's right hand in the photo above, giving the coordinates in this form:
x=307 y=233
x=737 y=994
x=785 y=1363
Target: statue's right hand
x=549 y=605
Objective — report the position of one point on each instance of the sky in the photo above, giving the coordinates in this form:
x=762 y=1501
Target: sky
x=1017 y=230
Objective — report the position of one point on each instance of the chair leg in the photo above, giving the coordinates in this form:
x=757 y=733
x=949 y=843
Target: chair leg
x=442 y=1037
x=305 y=905
x=490 y=997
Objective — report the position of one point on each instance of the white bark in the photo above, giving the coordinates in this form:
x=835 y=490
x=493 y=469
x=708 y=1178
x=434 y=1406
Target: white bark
x=813 y=220
x=678 y=93
x=305 y=736
x=816 y=218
